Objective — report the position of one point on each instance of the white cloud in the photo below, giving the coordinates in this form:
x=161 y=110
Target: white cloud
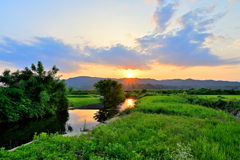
x=235 y=45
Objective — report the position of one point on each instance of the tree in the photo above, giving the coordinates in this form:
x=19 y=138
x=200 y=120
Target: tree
x=111 y=91
x=45 y=91
x=70 y=90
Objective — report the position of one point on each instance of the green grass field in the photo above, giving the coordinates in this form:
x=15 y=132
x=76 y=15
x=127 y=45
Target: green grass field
x=80 y=100
x=226 y=96
x=173 y=105
x=159 y=127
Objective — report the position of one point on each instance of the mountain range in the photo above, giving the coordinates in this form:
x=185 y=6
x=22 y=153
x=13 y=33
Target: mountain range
x=86 y=83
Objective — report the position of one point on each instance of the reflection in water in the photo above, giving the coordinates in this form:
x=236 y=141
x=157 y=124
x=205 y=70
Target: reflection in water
x=77 y=119
x=128 y=103
x=103 y=114
x=69 y=122
x=69 y=127
x=15 y=134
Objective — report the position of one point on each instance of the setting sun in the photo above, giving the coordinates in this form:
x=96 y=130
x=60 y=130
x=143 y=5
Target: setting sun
x=130 y=75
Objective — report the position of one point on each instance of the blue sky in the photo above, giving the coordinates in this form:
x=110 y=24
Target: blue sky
x=109 y=38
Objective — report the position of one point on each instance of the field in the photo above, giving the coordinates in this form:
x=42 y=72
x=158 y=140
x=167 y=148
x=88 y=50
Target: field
x=80 y=100
x=225 y=96
x=159 y=127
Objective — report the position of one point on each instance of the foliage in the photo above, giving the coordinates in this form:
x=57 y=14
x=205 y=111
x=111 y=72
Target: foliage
x=83 y=92
x=80 y=100
x=192 y=91
x=164 y=105
x=144 y=90
x=145 y=136
x=42 y=92
x=139 y=93
x=111 y=91
x=45 y=146
x=14 y=104
x=70 y=90
x=175 y=86
x=183 y=95
x=228 y=105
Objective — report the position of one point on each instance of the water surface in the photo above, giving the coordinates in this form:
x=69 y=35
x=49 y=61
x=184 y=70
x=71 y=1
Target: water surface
x=70 y=122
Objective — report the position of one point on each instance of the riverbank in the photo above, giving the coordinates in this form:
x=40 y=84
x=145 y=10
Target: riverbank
x=159 y=127
x=89 y=106
x=81 y=100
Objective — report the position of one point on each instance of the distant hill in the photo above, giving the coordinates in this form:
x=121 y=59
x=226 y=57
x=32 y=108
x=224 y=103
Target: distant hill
x=86 y=83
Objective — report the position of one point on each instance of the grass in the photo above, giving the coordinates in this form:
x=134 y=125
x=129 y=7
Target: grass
x=80 y=100
x=173 y=105
x=226 y=96
x=159 y=127
x=54 y=146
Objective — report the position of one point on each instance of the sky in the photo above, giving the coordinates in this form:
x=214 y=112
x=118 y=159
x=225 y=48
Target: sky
x=160 y=39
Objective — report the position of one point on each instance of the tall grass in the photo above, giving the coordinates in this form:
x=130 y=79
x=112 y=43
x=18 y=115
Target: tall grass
x=158 y=128
x=47 y=147
x=173 y=105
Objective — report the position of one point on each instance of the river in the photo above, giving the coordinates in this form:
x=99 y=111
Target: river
x=70 y=122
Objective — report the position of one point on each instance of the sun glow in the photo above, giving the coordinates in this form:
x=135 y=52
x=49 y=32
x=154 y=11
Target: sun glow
x=129 y=102
x=130 y=75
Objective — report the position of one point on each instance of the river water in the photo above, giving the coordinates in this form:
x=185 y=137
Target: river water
x=70 y=122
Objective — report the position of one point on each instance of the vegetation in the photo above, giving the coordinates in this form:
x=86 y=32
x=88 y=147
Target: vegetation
x=83 y=92
x=45 y=146
x=225 y=97
x=31 y=93
x=192 y=91
x=176 y=106
x=228 y=103
x=159 y=127
x=142 y=136
x=70 y=90
x=80 y=100
x=111 y=92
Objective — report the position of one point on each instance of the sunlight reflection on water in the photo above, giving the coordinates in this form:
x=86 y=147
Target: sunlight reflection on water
x=77 y=118
x=68 y=122
x=128 y=103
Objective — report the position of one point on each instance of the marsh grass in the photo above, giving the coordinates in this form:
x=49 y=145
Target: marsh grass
x=80 y=100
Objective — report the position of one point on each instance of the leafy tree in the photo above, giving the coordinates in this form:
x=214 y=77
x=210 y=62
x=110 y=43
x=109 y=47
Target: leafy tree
x=111 y=91
x=70 y=90
x=46 y=92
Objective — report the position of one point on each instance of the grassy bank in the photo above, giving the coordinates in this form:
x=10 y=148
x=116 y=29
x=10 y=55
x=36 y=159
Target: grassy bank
x=159 y=127
x=80 y=100
x=176 y=106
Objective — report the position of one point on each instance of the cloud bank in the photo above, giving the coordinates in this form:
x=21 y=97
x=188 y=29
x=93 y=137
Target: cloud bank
x=48 y=50
x=182 y=46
